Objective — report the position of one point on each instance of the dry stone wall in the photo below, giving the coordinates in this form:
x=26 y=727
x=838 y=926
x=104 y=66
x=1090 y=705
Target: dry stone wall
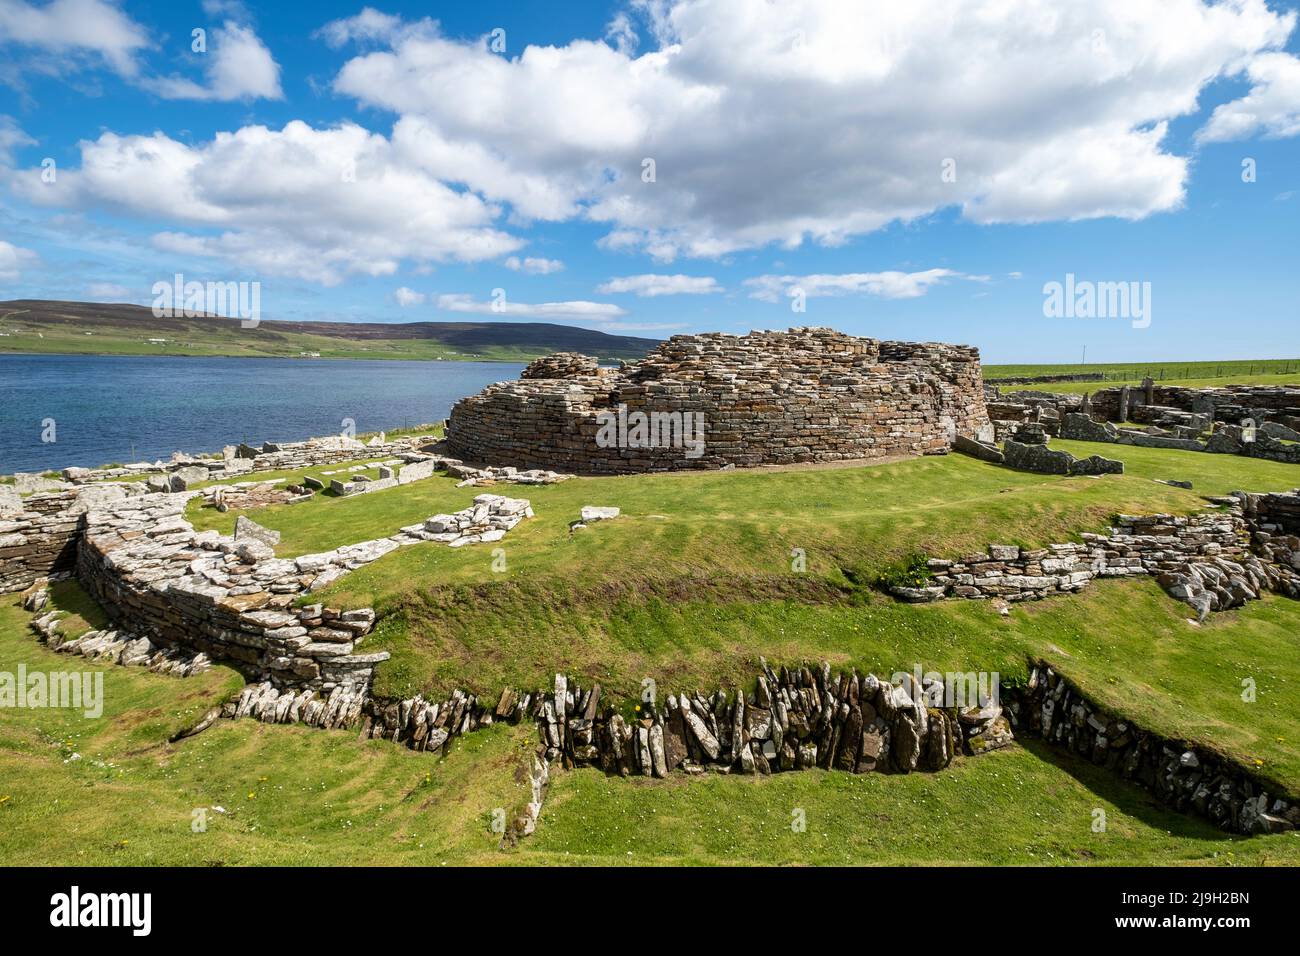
x=1253 y=421
x=1183 y=776
x=799 y=719
x=39 y=533
x=806 y=395
x=232 y=599
x=1211 y=561
x=794 y=719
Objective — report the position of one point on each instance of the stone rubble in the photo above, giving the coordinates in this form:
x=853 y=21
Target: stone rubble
x=538 y=775
x=564 y=365
x=1037 y=457
x=1274 y=522
x=487 y=520
x=491 y=475
x=113 y=646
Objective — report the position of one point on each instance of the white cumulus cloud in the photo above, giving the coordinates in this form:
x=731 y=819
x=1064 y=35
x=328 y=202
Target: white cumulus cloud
x=237 y=66
x=809 y=120
x=14 y=259
x=406 y=297
x=576 y=310
x=319 y=204
x=368 y=26
x=652 y=284
x=74 y=28
x=1272 y=106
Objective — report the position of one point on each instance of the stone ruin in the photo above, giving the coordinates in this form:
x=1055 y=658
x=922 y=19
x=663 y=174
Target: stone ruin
x=766 y=398
x=1212 y=561
x=1249 y=420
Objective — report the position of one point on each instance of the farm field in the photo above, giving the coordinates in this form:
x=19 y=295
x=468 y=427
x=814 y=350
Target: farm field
x=1209 y=374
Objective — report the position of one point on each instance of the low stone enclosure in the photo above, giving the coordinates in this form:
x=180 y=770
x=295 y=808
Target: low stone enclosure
x=184 y=470
x=1254 y=421
x=715 y=401
x=170 y=588
x=1210 y=561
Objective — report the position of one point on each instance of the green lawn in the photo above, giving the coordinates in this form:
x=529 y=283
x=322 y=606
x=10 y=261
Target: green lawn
x=291 y=795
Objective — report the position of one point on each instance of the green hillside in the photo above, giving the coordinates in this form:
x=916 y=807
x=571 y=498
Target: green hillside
x=87 y=328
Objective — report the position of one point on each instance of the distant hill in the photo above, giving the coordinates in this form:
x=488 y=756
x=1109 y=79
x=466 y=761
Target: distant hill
x=36 y=325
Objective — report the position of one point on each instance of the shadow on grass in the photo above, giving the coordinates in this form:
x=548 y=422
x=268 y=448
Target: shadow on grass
x=1126 y=796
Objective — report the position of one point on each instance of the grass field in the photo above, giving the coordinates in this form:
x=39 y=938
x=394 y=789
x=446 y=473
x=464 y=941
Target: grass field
x=1186 y=374
x=238 y=344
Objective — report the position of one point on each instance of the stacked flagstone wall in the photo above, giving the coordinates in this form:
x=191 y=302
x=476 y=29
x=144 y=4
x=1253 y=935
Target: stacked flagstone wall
x=804 y=718
x=794 y=719
x=232 y=599
x=1211 y=561
x=1187 y=778
x=39 y=532
x=806 y=395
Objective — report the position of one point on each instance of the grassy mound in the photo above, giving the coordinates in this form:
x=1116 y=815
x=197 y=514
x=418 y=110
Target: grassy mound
x=698 y=579
x=112 y=791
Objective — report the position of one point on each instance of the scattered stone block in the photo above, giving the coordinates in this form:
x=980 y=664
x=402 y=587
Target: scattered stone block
x=978 y=449
x=246 y=527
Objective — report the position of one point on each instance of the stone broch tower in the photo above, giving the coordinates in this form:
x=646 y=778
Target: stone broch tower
x=766 y=398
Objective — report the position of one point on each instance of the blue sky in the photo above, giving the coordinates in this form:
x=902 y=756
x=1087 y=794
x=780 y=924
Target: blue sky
x=797 y=146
